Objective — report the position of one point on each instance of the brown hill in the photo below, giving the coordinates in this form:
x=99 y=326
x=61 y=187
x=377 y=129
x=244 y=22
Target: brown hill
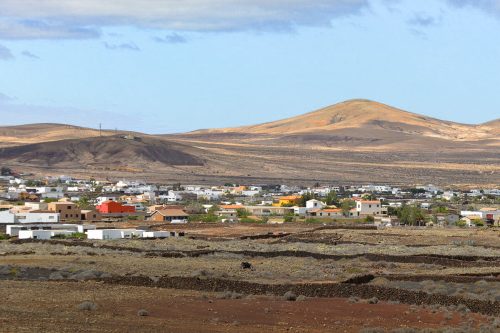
x=492 y=126
x=33 y=133
x=357 y=122
x=356 y=141
x=111 y=151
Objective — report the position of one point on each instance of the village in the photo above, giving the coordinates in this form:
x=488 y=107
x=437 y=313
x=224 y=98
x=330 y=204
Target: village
x=430 y=253
x=56 y=207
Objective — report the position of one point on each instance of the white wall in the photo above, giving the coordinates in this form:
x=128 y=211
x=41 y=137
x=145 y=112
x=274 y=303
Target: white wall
x=7 y=217
x=37 y=218
x=368 y=208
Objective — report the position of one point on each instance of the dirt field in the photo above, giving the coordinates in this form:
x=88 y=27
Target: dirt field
x=234 y=278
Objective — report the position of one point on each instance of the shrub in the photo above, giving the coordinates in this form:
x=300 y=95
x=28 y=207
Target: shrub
x=290 y=296
x=242 y=212
x=249 y=220
x=207 y=218
x=4 y=237
x=87 y=306
x=142 y=313
x=230 y=295
x=478 y=223
x=75 y=235
x=373 y=300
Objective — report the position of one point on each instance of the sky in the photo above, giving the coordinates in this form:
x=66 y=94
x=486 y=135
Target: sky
x=167 y=66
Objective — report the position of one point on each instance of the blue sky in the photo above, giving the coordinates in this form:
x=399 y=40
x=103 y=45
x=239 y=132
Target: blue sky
x=164 y=66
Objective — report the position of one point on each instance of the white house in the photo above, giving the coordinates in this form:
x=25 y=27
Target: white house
x=36 y=205
x=299 y=210
x=477 y=214
x=172 y=196
x=7 y=216
x=425 y=205
x=41 y=234
x=250 y=193
x=113 y=233
x=315 y=204
x=155 y=234
x=14 y=229
x=129 y=233
x=368 y=207
x=100 y=199
x=10 y=217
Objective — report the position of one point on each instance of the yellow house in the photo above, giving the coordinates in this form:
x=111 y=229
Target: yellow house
x=287 y=201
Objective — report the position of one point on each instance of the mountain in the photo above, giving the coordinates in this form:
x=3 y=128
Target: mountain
x=353 y=142
x=104 y=152
x=492 y=126
x=358 y=123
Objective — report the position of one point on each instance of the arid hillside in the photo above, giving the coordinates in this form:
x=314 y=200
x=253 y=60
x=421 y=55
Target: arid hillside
x=356 y=141
x=361 y=124
x=111 y=152
x=34 y=133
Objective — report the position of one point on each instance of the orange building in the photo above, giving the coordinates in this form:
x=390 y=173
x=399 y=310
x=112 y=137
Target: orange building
x=113 y=207
x=290 y=200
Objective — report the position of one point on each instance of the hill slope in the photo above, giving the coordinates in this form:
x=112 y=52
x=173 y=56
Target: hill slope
x=363 y=121
x=109 y=151
x=356 y=141
x=33 y=133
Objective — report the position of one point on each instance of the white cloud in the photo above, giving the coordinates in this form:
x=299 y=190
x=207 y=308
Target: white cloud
x=52 y=19
x=30 y=55
x=172 y=38
x=490 y=6
x=122 y=46
x=5 y=53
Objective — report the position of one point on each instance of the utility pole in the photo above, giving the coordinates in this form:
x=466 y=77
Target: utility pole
x=100 y=134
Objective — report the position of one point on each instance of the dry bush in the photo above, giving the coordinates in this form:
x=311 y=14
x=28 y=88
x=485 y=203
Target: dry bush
x=380 y=281
x=87 y=306
x=290 y=296
x=142 y=313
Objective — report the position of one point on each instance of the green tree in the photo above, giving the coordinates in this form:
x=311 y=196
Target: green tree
x=84 y=203
x=4 y=171
x=195 y=208
x=213 y=209
x=411 y=215
x=305 y=198
x=347 y=205
x=332 y=199
x=242 y=213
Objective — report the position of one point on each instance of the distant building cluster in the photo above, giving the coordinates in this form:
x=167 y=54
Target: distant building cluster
x=55 y=206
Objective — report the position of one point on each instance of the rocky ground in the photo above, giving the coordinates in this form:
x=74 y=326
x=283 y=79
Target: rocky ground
x=345 y=280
